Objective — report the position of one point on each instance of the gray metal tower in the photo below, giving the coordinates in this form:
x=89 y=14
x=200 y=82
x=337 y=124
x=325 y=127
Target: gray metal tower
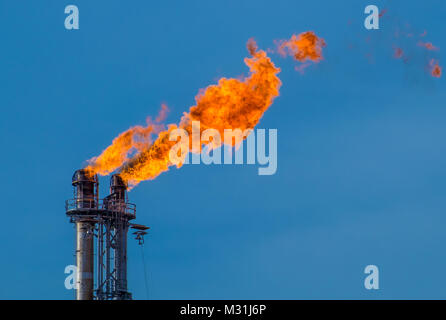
x=107 y=220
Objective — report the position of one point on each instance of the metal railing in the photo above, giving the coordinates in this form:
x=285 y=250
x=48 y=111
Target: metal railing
x=101 y=204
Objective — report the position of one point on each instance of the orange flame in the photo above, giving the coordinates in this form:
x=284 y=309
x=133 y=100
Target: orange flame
x=433 y=65
x=427 y=45
x=230 y=104
x=305 y=46
x=302 y=67
x=134 y=139
x=398 y=52
x=162 y=114
x=435 y=69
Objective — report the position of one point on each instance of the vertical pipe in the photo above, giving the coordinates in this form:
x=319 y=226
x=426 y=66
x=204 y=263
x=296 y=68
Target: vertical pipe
x=108 y=258
x=118 y=196
x=124 y=256
x=121 y=257
x=84 y=260
x=118 y=255
x=100 y=264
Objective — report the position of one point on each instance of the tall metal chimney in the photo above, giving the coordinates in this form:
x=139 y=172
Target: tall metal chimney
x=86 y=201
x=116 y=203
x=106 y=220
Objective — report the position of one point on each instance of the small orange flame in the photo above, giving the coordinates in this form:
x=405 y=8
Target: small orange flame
x=304 y=46
x=435 y=68
x=301 y=68
x=398 y=52
x=162 y=114
x=427 y=45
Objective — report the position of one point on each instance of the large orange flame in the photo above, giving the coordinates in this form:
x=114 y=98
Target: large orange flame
x=230 y=104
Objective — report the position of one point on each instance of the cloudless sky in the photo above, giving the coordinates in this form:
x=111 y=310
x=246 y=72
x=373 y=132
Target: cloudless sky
x=361 y=148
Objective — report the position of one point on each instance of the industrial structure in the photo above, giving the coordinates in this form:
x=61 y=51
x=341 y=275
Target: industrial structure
x=101 y=229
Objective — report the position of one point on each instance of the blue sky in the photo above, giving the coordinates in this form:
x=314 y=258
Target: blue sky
x=361 y=149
